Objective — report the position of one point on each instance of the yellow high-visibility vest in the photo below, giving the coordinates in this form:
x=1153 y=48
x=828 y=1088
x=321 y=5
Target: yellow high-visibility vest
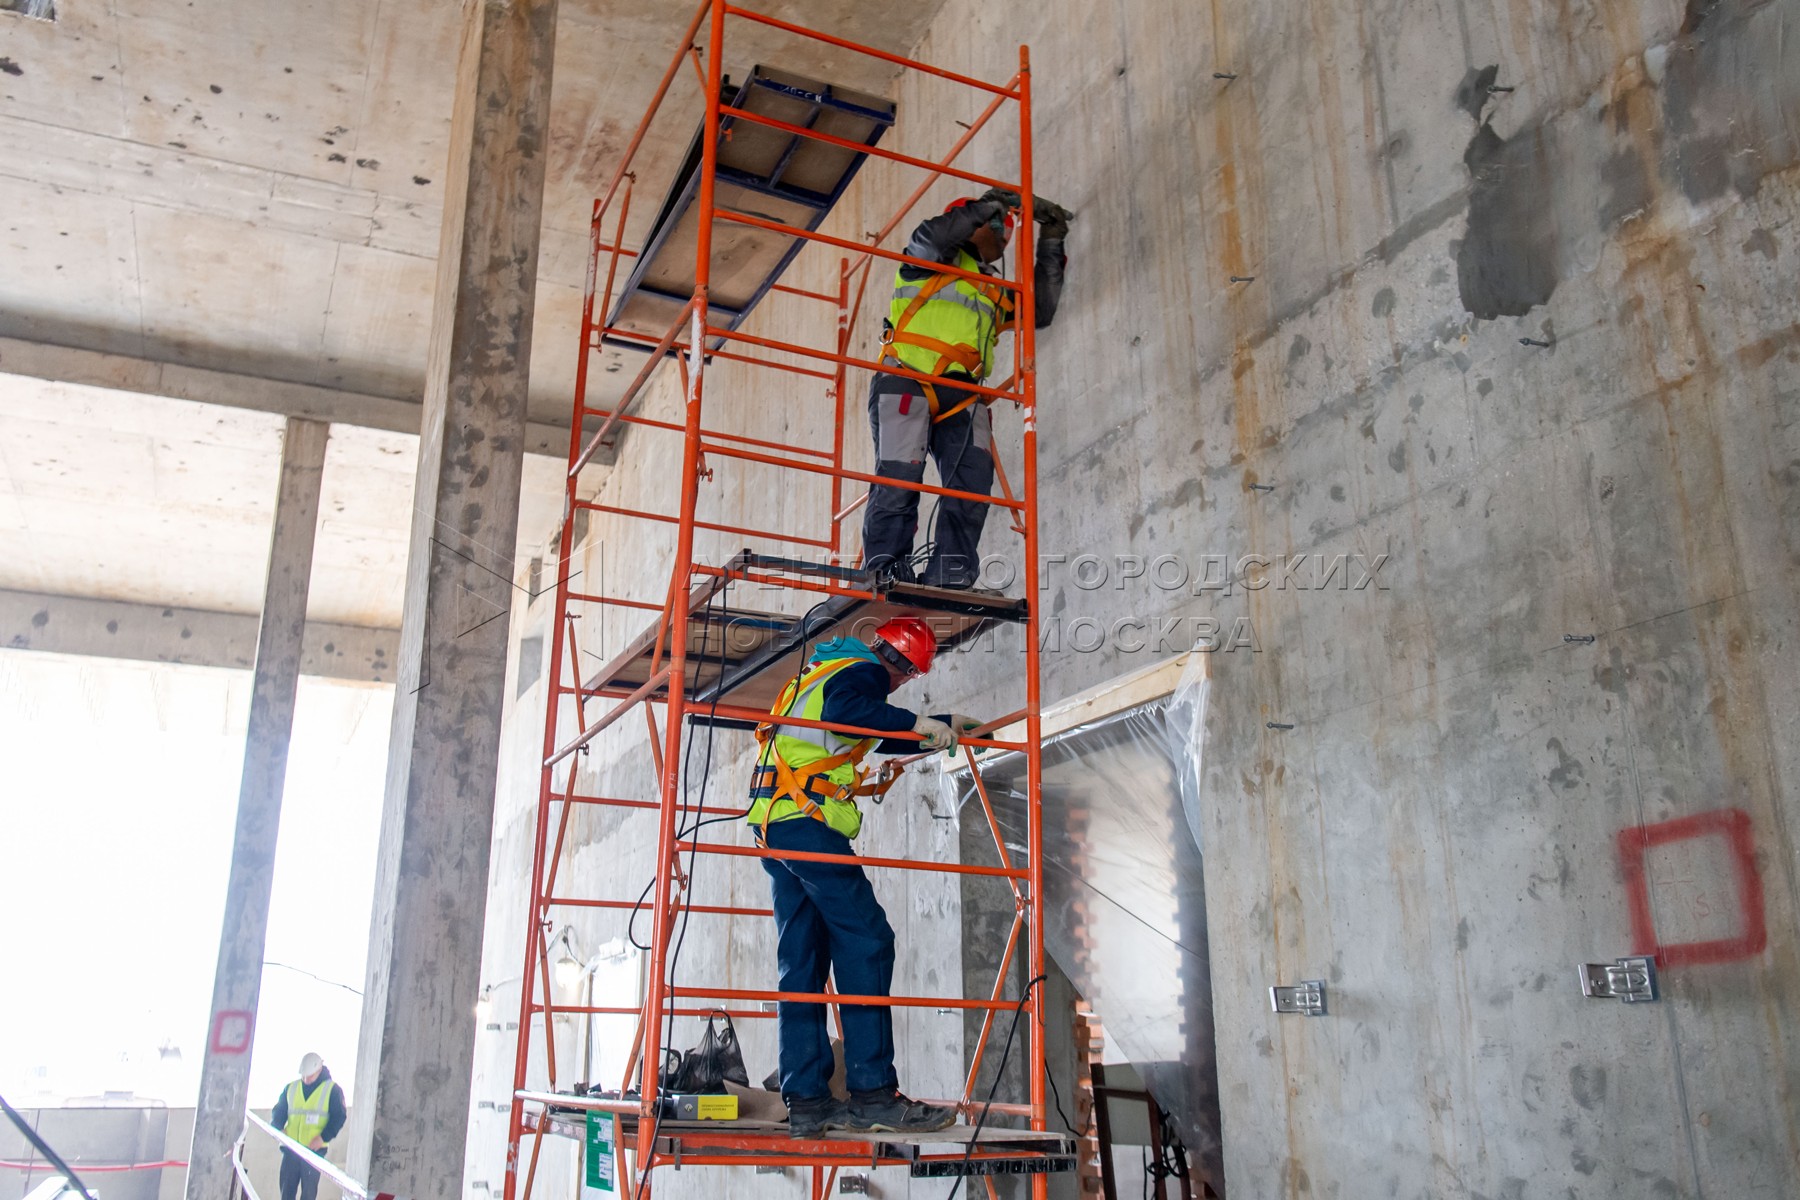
x=307 y=1116
x=805 y=771
x=946 y=321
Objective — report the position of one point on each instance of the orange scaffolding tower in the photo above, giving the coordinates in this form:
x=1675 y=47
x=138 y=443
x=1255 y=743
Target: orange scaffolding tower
x=663 y=667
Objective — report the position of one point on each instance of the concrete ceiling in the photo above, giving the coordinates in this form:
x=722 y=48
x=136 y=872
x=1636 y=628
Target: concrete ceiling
x=256 y=187
x=138 y=498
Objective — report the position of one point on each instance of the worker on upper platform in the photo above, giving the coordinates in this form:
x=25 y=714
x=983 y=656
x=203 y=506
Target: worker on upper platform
x=947 y=326
x=826 y=916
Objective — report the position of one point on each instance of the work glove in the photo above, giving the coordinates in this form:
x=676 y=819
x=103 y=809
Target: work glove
x=964 y=726
x=934 y=734
x=1053 y=218
x=1007 y=198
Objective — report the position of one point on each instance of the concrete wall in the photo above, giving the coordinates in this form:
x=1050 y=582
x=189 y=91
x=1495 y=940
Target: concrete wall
x=1438 y=835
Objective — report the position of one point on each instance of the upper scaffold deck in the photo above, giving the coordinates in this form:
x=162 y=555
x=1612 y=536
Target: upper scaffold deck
x=742 y=657
x=764 y=172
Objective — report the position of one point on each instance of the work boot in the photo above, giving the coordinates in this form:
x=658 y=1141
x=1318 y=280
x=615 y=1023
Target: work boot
x=887 y=1111
x=811 y=1118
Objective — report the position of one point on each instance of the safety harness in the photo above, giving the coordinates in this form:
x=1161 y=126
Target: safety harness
x=969 y=358
x=778 y=780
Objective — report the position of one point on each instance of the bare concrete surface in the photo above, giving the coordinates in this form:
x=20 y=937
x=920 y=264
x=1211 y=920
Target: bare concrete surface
x=1439 y=834
x=407 y=1136
x=136 y=498
x=1403 y=193
x=237 y=981
x=257 y=187
x=195 y=637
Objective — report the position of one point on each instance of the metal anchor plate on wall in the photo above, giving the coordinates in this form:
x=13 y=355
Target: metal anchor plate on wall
x=1307 y=998
x=1632 y=980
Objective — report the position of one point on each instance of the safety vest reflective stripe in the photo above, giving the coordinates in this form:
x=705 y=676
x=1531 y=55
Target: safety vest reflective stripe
x=307 y=1114
x=980 y=305
x=825 y=790
x=946 y=321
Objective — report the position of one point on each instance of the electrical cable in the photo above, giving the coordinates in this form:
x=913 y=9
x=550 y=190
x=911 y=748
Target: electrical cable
x=1172 y=1163
x=763 y=761
x=698 y=808
x=721 y=597
x=1050 y=1078
x=43 y=1148
x=999 y=1073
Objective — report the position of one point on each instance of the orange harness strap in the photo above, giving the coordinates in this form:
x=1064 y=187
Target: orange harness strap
x=792 y=786
x=966 y=357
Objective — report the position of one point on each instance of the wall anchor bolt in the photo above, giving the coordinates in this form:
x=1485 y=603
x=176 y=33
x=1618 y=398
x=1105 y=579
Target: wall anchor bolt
x=1630 y=980
x=1262 y=487
x=1275 y=725
x=1578 y=639
x=1223 y=75
x=1495 y=89
x=1306 y=999
x=1534 y=342
x=1243 y=279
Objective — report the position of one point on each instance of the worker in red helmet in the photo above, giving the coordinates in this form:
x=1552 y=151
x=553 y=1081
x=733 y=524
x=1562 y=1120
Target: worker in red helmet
x=946 y=326
x=827 y=919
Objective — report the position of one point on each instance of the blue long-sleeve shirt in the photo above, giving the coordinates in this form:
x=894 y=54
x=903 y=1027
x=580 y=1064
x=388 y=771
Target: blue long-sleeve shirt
x=857 y=695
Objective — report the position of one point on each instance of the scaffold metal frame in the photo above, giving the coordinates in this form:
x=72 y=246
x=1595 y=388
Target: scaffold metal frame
x=691 y=585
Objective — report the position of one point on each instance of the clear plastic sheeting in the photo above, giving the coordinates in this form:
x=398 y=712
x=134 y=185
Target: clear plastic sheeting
x=1186 y=734
x=1124 y=883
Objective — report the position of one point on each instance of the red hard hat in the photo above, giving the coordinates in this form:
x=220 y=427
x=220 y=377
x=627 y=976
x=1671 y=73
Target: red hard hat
x=912 y=638
x=962 y=200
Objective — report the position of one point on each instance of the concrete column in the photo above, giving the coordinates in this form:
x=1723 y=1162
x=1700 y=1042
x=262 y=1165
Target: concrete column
x=237 y=981
x=408 y=1128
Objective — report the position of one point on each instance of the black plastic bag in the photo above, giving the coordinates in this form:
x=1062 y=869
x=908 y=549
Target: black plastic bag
x=708 y=1067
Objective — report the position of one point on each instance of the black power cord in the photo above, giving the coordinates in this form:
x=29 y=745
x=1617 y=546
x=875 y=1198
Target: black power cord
x=43 y=1148
x=762 y=761
x=1172 y=1163
x=698 y=810
x=999 y=1073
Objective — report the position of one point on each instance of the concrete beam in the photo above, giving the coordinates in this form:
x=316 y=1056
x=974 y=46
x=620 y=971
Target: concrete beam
x=237 y=980
x=148 y=377
x=195 y=637
x=408 y=1132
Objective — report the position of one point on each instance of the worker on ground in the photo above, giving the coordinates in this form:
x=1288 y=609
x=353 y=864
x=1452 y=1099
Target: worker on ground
x=826 y=916
x=947 y=326
x=311 y=1111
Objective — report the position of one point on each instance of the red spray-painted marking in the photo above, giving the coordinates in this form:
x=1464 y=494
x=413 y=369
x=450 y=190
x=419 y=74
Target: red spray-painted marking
x=1732 y=824
x=231 y=1031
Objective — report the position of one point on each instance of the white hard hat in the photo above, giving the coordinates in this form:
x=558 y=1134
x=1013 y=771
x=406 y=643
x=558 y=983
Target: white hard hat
x=311 y=1064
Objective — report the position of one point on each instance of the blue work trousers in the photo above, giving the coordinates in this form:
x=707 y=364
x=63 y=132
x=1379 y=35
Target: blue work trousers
x=828 y=920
